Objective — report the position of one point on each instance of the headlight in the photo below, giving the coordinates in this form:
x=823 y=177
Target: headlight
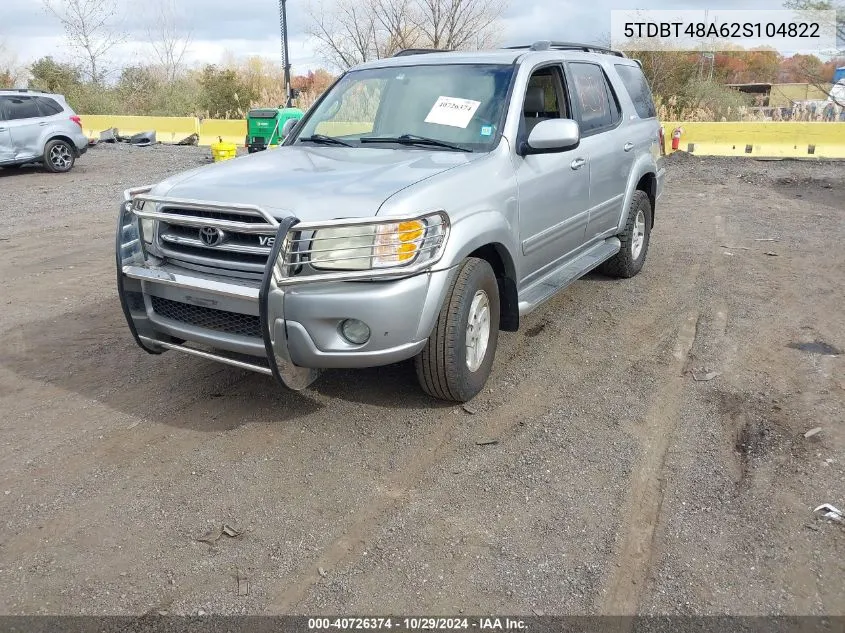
x=147 y=228
x=383 y=245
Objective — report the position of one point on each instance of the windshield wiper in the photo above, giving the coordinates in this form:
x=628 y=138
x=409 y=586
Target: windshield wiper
x=413 y=139
x=324 y=140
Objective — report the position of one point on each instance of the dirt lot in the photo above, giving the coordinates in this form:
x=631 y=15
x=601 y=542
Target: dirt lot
x=619 y=482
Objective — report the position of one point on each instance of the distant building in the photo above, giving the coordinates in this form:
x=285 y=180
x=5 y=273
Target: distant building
x=785 y=95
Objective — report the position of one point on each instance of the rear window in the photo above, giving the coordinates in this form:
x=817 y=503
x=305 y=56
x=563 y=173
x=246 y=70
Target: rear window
x=21 y=108
x=637 y=87
x=47 y=106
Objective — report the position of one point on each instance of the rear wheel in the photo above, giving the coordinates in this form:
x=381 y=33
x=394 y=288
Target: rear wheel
x=58 y=156
x=635 y=238
x=458 y=357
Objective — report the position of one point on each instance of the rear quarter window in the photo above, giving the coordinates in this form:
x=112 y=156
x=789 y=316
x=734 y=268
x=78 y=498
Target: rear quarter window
x=637 y=86
x=47 y=106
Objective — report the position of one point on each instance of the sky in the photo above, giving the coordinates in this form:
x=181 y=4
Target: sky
x=251 y=27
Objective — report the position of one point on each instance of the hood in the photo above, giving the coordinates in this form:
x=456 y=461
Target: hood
x=313 y=183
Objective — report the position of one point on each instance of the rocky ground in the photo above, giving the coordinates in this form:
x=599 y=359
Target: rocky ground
x=641 y=446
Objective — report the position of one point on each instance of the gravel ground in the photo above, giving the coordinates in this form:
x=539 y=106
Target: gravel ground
x=618 y=482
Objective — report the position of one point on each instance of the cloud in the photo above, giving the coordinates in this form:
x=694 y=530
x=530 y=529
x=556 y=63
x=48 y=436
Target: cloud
x=251 y=27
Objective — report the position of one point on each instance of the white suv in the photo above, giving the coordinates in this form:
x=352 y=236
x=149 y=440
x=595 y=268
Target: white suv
x=35 y=126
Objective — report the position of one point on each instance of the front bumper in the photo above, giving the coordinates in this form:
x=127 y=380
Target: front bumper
x=286 y=330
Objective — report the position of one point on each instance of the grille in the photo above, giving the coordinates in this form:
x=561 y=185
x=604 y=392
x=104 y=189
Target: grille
x=217 y=215
x=227 y=255
x=209 y=318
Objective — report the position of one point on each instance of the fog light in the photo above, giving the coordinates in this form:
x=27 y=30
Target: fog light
x=355 y=331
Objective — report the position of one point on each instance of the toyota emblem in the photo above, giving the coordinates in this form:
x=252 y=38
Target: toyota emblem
x=211 y=236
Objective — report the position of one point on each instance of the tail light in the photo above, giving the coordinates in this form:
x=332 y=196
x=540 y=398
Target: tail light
x=77 y=120
x=662 y=138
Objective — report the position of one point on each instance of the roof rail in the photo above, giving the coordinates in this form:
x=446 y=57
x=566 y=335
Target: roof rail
x=420 y=51
x=22 y=90
x=546 y=45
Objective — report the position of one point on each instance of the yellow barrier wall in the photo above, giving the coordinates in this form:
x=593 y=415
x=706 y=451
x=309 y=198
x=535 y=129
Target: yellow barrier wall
x=761 y=139
x=764 y=139
x=230 y=130
x=168 y=129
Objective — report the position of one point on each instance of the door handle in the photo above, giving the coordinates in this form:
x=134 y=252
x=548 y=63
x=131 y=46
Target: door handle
x=578 y=163
x=43 y=124
x=628 y=147
x=2 y=129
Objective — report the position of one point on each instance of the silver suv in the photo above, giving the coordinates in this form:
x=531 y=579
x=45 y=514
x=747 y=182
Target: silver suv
x=39 y=127
x=423 y=204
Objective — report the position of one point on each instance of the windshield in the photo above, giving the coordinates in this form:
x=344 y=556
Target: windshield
x=456 y=104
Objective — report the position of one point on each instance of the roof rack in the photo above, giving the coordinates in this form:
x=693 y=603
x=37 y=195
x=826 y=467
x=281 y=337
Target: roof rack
x=545 y=45
x=420 y=51
x=22 y=90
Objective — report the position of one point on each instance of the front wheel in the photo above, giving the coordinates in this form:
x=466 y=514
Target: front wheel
x=58 y=156
x=458 y=357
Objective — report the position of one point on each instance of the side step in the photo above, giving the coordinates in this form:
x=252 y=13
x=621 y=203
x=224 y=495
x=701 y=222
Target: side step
x=547 y=287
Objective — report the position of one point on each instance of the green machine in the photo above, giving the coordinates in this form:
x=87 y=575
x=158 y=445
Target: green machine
x=264 y=126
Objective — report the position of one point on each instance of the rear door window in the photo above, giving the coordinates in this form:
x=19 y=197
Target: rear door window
x=595 y=102
x=637 y=86
x=21 y=108
x=47 y=106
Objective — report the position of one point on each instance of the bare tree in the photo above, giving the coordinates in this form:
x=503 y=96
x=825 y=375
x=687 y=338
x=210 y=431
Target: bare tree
x=169 y=42
x=90 y=27
x=12 y=74
x=346 y=32
x=459 y=24
x=354 y=31
x=810 y=73
x=809 y=6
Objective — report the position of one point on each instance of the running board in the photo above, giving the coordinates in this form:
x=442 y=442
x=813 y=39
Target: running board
x=541 y=291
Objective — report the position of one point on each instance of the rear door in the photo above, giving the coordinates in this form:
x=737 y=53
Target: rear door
x=26 y=125
x=7 y=153
x=604 y=138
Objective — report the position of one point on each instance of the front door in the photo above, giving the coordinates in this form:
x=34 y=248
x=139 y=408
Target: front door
x=554 y=189
x=6 y=151
x=25 y=122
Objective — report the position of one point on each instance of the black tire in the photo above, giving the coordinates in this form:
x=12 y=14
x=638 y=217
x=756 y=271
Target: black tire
x=59 y=156
x=624 y=264
x=442 y=367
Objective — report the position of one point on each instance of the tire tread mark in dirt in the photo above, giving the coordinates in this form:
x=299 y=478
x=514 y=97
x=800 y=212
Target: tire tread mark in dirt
x=643 y=505
x=395 y=493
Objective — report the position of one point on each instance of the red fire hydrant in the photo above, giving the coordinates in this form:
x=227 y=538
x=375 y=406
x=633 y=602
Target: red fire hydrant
x=676 y=138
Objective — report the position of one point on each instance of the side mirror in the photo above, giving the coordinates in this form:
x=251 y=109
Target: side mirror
x=287 y=128
x=552 y=135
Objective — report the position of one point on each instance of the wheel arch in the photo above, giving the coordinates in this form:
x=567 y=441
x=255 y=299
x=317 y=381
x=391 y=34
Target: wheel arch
x=497 y=255
x=643 y=177
x=66 y=139
x=648 y=184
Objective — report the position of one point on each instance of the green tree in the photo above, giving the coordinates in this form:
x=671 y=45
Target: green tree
x=223 y=94
x=51 y=76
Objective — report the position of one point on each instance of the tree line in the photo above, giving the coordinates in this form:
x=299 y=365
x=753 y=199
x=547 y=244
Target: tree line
x=349 y=32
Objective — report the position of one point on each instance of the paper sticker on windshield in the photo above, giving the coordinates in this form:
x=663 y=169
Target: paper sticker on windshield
x=452 y=111
x=487 y=130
